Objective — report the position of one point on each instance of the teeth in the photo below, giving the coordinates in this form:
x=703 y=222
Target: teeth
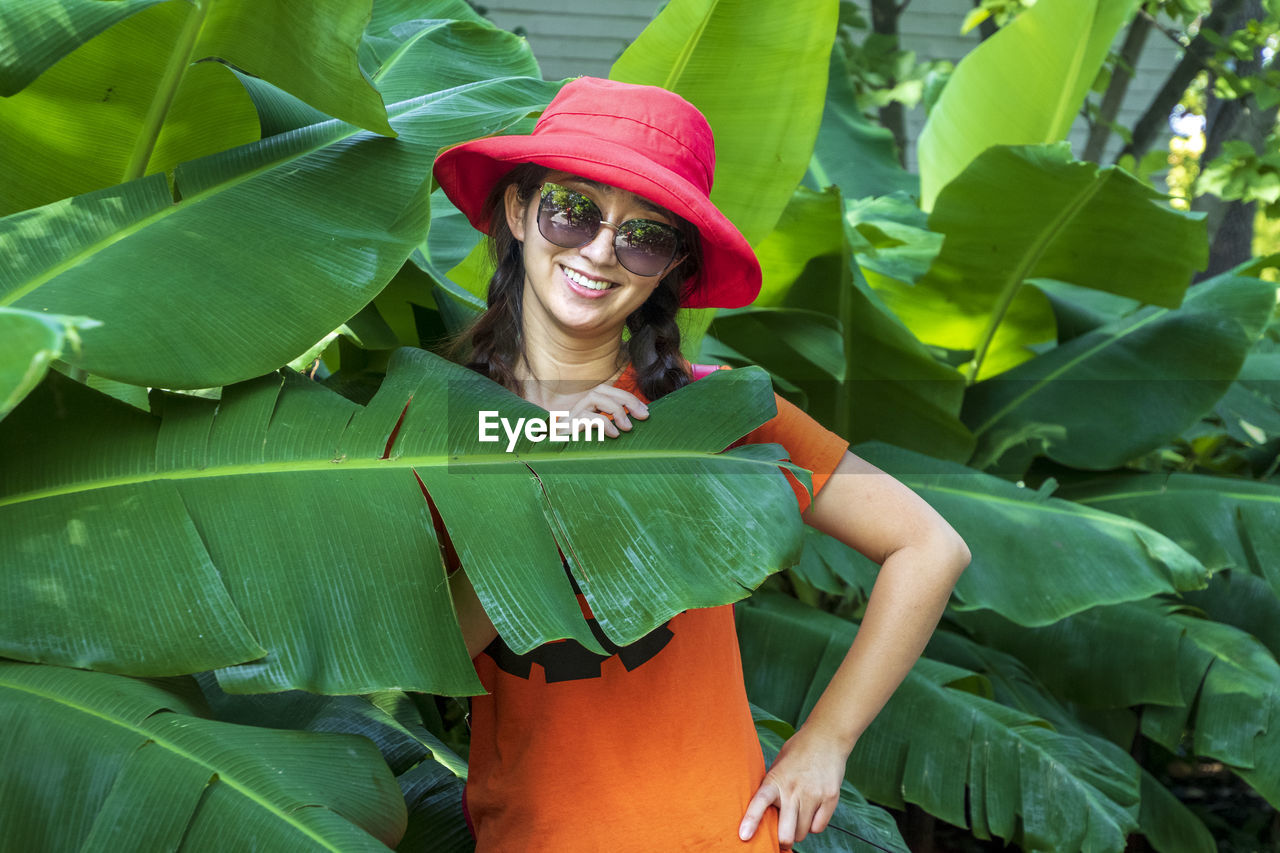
x=580 y=279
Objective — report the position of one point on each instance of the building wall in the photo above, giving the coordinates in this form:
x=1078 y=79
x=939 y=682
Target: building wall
x=577 y=37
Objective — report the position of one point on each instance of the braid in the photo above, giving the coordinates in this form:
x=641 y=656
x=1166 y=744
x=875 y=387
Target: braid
x=494 y=344
x=654 y=345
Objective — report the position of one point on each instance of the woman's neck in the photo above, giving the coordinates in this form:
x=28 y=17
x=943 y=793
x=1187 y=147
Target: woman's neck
x=559 y=368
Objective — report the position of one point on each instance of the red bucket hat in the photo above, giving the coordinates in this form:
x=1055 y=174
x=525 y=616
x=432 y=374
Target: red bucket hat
x=642 y=139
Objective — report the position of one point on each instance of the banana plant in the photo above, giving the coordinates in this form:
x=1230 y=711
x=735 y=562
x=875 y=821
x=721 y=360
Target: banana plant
x=1190 y=674
x=260 y=251
x=996 y=770
x=99 y=761
x=137 y=84
x=202 y=518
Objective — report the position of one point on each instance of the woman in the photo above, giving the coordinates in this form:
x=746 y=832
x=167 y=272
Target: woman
x=601 y=221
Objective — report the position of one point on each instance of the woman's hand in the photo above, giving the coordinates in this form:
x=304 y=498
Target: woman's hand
x=804 y=783
x=605 y=402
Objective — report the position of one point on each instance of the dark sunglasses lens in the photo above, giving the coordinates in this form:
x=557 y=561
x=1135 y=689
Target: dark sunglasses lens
x=567 y=218
x=646 y=247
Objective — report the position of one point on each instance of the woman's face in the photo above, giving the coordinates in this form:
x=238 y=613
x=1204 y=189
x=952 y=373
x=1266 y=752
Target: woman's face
x=584 y=292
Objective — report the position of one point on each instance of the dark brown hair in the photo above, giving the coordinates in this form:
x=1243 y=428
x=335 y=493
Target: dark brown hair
x=496 y=341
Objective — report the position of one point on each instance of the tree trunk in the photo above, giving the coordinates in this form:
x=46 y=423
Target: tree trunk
x=1155 y=121
x=1230 y=224
x=988 y=27
x=884 y=21
x=1100 y=132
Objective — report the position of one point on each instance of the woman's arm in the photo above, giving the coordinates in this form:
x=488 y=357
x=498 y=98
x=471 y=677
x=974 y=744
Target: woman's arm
x=921 y=557
x=477 y=628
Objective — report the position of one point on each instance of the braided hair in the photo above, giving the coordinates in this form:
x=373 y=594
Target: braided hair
x=496 y=339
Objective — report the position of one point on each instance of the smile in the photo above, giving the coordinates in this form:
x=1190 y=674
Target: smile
x=584 y=281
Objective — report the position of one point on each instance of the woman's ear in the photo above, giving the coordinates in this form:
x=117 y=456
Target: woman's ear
x=515 y=211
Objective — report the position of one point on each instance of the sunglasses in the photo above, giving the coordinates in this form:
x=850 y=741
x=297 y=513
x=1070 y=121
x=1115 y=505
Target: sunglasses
x=571 y=220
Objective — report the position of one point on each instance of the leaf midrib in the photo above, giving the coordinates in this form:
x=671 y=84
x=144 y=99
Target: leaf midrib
x=323 y=141
x=147 y=734
x=1014 y=282
x=397 y=464
x=1167 y=492
x=1118 y=335
x=1055 y=506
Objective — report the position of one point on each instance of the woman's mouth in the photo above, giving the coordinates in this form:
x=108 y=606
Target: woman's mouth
x=593 y=285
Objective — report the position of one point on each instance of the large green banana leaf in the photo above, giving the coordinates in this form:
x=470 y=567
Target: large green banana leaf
x=852 y=152
x=268 y=248
x=282 y=532
x=1021 y=213
x=433 y=796
x=91 y=761
x=1169 y=826
x=1227 y=523
x=962 y=757
x=1036 y=558
x=138 y=97
x=29 y=342
x=758 y=72
x=1023 y=85
x=856 y=826
x=892 y=386
x=389 y=718
x=430 y=774
x=1243 y=601
x=1190 y=673
x=37 y=33
x=1122 y=390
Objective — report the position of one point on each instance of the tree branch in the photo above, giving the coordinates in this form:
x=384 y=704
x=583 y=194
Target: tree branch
x=1156 y=118
x=1130 y=51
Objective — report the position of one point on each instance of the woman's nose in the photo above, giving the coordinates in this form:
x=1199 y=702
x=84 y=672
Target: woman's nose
x=600 y=249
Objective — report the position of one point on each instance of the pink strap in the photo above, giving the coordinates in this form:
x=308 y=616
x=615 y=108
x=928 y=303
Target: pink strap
x=701 y=371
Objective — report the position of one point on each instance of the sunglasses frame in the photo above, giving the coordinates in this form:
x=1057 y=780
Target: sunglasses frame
x=544 y=192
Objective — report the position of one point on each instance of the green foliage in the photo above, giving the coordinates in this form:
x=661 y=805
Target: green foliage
x=1053 y=52
x=237 y=203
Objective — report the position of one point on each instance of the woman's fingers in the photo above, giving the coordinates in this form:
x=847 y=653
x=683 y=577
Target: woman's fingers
x=619 y=405
x=823 y=815
x=765 y=796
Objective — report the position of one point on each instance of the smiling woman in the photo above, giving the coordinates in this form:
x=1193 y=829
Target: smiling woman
x=601 y=221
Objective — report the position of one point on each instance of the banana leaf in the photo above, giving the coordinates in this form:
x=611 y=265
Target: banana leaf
x=1023 y=85
x=1037 y=558
x=892 y=388
x=388 y=718
x=1125 y=389
x=91 y=761
x=1017 y=214
x=1169 y=826
x=37 y=33
x=29 y=343
x=957 y=754
x=758 y=72
x=852 y=152
x=268 y=248
x=809 y=227
x=165 y=545
x=1191 y=674
x=436 y=821
x=139 y=98
x=1226 y=522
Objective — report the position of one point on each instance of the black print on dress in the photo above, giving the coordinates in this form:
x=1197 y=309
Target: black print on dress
x=569 y=660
